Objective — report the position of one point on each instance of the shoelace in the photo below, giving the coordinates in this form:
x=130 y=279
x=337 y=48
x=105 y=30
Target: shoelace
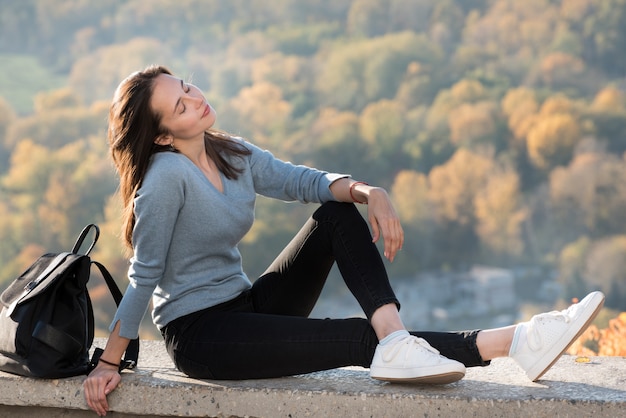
x=533 y=336
x=412 y=342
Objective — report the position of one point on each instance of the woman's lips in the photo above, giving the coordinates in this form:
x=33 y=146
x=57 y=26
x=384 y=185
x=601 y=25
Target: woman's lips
x=207 y=110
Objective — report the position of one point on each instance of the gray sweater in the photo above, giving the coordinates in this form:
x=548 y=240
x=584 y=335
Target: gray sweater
x=185 y=254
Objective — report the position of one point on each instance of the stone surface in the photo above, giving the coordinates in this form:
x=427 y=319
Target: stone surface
x=570 y=389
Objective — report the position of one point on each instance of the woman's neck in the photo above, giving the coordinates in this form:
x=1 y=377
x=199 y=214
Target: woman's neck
x=196 y=152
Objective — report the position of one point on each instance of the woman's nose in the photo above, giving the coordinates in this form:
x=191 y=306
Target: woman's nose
x=195 y=101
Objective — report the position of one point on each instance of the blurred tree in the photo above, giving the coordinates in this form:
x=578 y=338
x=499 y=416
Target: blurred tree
x=371 y=18
x=552 y=140
x=472 y=125
x=96 y=76
x=571 y=266
x=567 y=41
x=7 y=116
x=559 y=104
x=29 y=170
x=367 y=18
x=58 y=99
x=16 y=28
x=410 y=195
x=608 y=114
x=310 y=81
x=51 y=195
x=265 y=112
x=57 y=23
x=520 y=106
x=334 y=144
x=382 y=126
x=418 y=86
x=413 y=15
x=57 y=126
x=453 y=188
x=500 y=214
x=604 y=34
x=446 y=23
x=360 y=72
x=227 y=80
x=468 y=91
x=411 y=198
x=454 y=185
x=560 y=71
x=77 y=189
x=589 y=195
x=605 y=269
x=576 y=10
x=292 y=75
x=111 y=249
x=304 y=39
x=609 y=99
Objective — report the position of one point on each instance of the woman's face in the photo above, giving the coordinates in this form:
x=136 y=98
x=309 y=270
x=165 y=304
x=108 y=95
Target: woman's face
x=184 y=111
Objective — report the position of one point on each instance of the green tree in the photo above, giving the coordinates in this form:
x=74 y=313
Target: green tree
x=382 y=126
x=571 y=267
x=604 y=35
x=63 y=98
x=7 y=116
x=336 y=144
x=608 y=115
x=57 y=126
x=367 y=18
x=95 y=76
x=357 y=73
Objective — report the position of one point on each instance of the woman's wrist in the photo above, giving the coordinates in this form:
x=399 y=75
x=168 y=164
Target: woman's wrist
x=352 y=192
x=109 y=363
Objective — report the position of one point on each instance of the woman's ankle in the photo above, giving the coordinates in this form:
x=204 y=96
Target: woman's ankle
x=493 y=343
x=386 y=320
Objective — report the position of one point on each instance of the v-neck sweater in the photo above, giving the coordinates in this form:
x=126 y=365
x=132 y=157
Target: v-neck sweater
x=186 y=233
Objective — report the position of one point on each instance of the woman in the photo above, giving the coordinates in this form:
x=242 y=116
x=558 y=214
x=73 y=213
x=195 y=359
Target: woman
x=189 y=192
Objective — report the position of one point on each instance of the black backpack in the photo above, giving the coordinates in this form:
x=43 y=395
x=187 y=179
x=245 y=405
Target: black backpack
x=47 y=323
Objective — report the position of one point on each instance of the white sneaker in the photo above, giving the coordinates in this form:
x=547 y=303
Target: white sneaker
x=412 y=359
x=539 y=343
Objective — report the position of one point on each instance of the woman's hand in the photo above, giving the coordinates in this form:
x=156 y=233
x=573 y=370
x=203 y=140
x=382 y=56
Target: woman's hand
x=384 y=221
x=100 y=382
x=381 y=215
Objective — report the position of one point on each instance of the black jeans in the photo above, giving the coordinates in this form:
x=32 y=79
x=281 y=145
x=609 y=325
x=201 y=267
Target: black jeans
x=265 y=332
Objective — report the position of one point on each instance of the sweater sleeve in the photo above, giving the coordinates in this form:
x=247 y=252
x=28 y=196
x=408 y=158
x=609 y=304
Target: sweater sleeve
x=283 y=180
x=157 y=204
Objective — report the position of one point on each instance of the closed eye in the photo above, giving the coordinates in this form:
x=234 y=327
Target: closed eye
x=186 y=89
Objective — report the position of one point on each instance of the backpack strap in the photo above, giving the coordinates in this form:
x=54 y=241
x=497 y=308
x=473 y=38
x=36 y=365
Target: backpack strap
x=132 y=351
x=83 y=235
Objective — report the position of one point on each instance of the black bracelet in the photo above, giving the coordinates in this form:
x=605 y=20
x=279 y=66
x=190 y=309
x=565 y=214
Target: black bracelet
x=109 y=363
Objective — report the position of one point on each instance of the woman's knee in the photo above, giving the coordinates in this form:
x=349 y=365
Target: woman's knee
x=338 y=210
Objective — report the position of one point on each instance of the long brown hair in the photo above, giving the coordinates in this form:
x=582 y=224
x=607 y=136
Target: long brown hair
x=133 y=127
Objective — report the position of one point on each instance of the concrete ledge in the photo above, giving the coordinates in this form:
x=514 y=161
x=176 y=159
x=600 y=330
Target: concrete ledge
x=156 y=389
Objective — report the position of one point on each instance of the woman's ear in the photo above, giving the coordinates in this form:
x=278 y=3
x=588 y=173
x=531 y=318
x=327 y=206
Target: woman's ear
x=164 y=139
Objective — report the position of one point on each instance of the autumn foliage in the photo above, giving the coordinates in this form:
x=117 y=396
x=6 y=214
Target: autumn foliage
x=609 y=341
x=497 y=126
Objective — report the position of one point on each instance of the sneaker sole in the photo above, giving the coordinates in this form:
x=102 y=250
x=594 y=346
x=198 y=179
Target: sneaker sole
x=437 y=379
x=557 y=350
